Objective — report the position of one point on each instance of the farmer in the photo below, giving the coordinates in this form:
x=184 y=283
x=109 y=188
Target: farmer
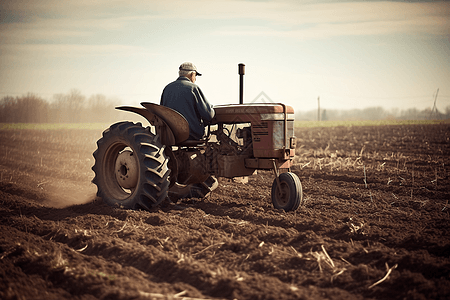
x=184 y=96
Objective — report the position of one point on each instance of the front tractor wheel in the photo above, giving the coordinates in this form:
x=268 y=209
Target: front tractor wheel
x=131 y=168
x=287 y=192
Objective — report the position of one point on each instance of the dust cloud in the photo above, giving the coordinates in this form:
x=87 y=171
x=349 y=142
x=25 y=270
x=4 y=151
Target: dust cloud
x=61 y=196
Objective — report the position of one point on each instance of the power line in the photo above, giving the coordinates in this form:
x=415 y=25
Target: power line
x=380 y=98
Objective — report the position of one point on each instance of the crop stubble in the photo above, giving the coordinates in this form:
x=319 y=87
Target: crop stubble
x=375 y=224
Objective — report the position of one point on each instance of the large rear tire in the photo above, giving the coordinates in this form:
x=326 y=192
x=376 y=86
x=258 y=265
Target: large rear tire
x=131 y=168
x=289 y=194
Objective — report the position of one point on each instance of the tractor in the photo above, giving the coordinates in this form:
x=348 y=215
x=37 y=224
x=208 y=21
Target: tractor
x=139 y=167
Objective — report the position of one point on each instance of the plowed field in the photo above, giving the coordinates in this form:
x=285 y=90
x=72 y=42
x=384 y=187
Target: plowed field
x=375 y=224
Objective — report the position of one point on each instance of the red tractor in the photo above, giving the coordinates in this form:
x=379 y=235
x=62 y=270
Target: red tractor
x=137 y=167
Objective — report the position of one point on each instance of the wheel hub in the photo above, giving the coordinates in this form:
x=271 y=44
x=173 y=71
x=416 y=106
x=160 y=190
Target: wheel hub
x=283 y=193
x=127 y=170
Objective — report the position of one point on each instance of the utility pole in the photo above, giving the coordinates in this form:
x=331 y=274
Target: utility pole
x=318 y=109
x=434 y=109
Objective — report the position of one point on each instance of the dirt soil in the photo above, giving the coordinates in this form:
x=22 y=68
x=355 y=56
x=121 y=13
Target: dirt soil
x=374 y=224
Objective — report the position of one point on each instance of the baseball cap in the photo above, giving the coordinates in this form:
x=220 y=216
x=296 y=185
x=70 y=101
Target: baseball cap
x=188 y=66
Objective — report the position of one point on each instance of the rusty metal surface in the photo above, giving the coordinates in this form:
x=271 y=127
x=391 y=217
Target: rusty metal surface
x=176 y=121
x=192 y=167
x=140 y=111
x=267 y=163
x=231 y=166
x=243 y=113
x=178 y=125
x=163 y=129
x=253 y=108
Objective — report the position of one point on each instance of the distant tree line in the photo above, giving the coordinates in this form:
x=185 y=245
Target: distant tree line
x=64 y=108
x=74 y=107
x=374 y=113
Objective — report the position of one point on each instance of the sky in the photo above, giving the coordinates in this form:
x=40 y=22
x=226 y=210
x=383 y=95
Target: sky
x=352 y=54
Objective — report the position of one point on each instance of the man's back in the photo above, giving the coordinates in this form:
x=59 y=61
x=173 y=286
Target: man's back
x=186 y=97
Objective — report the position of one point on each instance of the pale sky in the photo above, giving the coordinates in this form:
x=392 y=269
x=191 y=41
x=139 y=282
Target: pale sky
x=353 y=54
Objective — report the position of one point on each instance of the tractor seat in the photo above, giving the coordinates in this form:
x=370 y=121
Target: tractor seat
x=192 y=143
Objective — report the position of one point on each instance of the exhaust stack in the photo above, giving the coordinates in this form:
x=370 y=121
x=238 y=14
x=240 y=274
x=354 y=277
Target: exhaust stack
x=241 y=83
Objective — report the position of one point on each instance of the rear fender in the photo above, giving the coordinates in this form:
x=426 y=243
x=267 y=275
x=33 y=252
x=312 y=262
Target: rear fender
x=170 y=124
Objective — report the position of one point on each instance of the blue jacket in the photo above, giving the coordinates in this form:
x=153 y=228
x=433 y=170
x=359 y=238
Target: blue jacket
x=186 y=97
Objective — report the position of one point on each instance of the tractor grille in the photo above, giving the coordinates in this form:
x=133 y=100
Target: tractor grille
x=269 y=139
x=262 y=125
x=259 y=130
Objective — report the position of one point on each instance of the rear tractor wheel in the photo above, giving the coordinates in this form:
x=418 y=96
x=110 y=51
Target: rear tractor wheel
x=287 y=192
x=131 y=168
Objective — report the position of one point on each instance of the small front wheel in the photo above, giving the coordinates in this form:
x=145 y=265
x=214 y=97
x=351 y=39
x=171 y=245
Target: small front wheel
x=288 y=193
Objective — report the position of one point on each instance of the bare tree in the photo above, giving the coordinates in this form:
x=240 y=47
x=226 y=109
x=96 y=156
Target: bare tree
x=25 y=109
x=101 y=109
x=75 y=105
x=68 y=108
